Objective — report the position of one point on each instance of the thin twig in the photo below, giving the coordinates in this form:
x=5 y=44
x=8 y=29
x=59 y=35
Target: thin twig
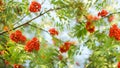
x=31 y=20
x=20 y=19
x=43 y=2
x=38 y=28
x=112 y=13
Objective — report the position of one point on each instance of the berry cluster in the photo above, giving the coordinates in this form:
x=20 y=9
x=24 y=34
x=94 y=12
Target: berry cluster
x=65 y=47
x=60 y=57
x=103 y=13
x=18 y=66
x=35 y=6
x=92 y=18
x=17 y=37
x=90 y=27
x=114 y=32
x=118 y=65
x=32 y=45
x=111 y=18
x=53 y=31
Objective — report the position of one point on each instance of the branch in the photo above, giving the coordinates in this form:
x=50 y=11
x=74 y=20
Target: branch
x=30 y=20
x=38 y=28
x=113 y=13
x=110 y=14
x=85 y=16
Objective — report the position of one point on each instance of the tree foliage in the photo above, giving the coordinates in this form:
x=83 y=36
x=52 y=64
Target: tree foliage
x=26 y=26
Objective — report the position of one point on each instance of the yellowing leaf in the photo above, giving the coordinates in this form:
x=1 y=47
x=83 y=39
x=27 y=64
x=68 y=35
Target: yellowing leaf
x=5 y=28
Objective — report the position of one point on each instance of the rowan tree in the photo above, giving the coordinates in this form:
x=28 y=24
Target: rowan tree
x=59 y=34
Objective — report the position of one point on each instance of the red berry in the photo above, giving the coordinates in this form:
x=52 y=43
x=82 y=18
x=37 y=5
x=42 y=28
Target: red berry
x=65 y=47
x=99 y=14
x=103 y=13
x=114 y=32
x=35 y=6
x=111 y=18
x=90 y=27
x=17 y=37
x=96 y=18
x=18 y=66
x=60 y=57
x=92 y=18
x=23 y=38
x=77 y=64
x=118 y=65
x=6 y=62
x=32 y=45
x=53 y=31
